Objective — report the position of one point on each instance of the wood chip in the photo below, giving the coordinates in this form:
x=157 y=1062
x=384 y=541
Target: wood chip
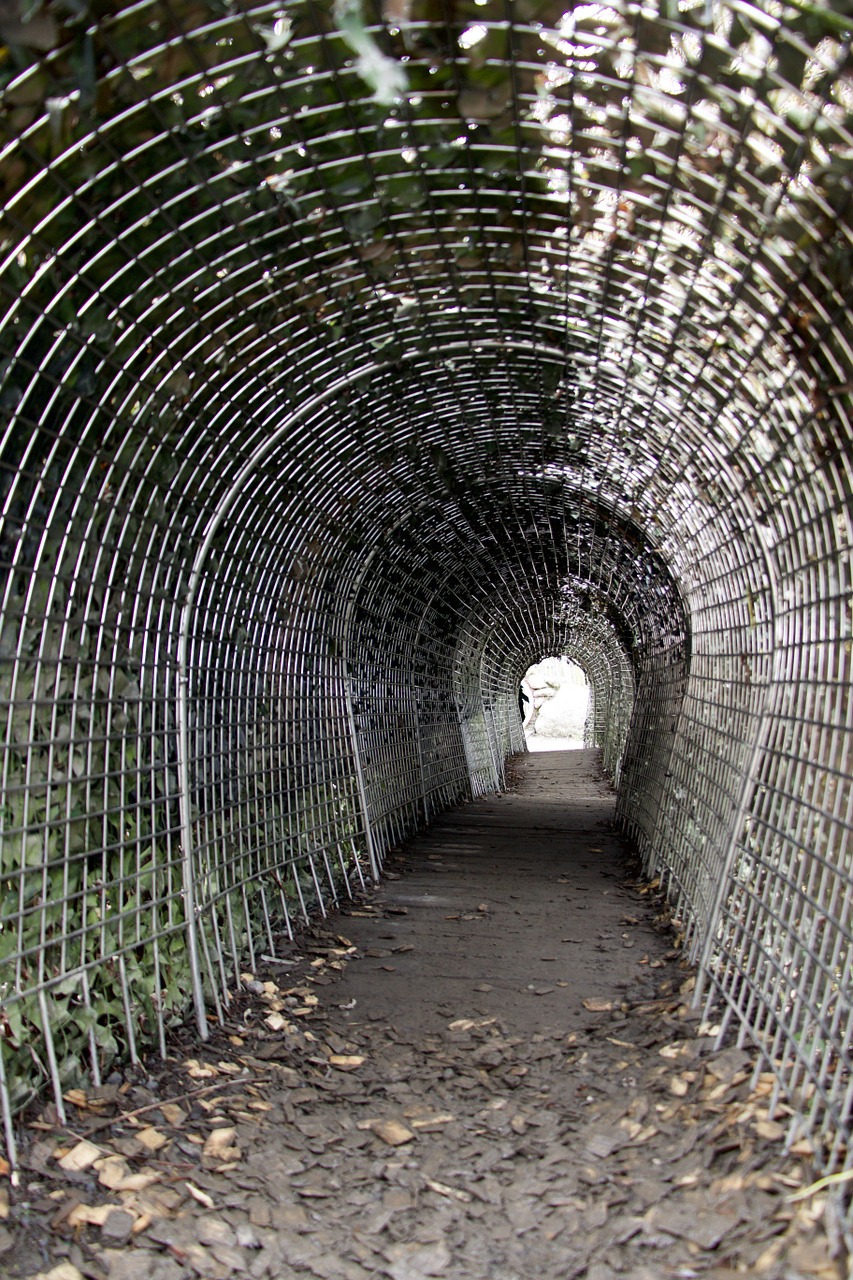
x=597 y=1004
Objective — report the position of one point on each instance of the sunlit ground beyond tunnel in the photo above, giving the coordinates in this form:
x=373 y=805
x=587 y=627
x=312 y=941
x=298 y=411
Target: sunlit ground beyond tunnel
x=557 y=705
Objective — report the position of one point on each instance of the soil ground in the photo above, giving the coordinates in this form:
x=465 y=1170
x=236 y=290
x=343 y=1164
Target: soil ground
x=487 y=1068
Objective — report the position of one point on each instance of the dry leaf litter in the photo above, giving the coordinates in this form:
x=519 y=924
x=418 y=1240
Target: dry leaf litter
x=316 y=1135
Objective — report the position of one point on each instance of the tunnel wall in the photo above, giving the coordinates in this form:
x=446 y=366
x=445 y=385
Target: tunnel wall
x=351 y=358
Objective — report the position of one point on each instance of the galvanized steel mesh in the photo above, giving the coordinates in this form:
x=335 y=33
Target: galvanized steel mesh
x=355 y=356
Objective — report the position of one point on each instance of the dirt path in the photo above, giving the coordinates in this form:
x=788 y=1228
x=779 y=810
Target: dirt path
x=487 y=1069
x=509 y=908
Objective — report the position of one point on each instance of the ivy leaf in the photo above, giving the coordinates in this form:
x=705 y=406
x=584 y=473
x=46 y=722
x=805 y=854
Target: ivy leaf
x=384 y=75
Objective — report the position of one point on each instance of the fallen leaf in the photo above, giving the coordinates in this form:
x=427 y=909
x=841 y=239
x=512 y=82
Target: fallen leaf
x=276 y=1022
x=390 y=1131
x=703 y=1227
x=81 y=1157
x=114 y=1174
x=415 y=1261
x=94 y=1215
x=118 y=1226
x=452 y=1193
x=219 y=1145
x=346 y=1061
x=427 y=1122
x=150 y=1138
x=77 y=1098
x=201 y=1196
x=197 y=1071
x=672 y=1050
x=112 y=1170
x=772 y=1130
x=469 y=1024
x=173 y=1114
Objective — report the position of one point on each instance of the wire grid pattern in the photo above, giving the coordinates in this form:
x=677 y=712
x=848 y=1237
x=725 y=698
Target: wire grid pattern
x=351 y=359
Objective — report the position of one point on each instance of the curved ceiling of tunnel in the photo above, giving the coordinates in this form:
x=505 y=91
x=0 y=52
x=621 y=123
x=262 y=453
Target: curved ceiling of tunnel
x=598 y=252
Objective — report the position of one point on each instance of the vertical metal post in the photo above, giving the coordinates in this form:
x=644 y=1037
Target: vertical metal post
x=187 y=863
x=359 y=777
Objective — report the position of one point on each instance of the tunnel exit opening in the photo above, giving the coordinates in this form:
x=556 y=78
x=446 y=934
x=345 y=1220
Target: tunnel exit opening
x=554 y=698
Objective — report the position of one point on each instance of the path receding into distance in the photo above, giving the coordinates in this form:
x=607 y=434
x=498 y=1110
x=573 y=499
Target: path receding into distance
x=512 y=906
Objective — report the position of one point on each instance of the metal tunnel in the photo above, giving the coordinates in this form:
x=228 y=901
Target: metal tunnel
x=354 y=356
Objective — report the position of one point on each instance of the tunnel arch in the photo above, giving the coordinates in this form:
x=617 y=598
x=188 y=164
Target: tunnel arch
x=333 y=388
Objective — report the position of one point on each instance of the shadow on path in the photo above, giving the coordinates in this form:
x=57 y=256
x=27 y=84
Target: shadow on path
x=511 y=907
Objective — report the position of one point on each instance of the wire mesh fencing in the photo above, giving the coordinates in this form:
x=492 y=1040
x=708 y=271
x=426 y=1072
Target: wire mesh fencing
x=354 y=355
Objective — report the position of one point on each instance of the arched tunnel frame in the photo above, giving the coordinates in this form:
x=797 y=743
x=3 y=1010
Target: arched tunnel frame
x=308 y=377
